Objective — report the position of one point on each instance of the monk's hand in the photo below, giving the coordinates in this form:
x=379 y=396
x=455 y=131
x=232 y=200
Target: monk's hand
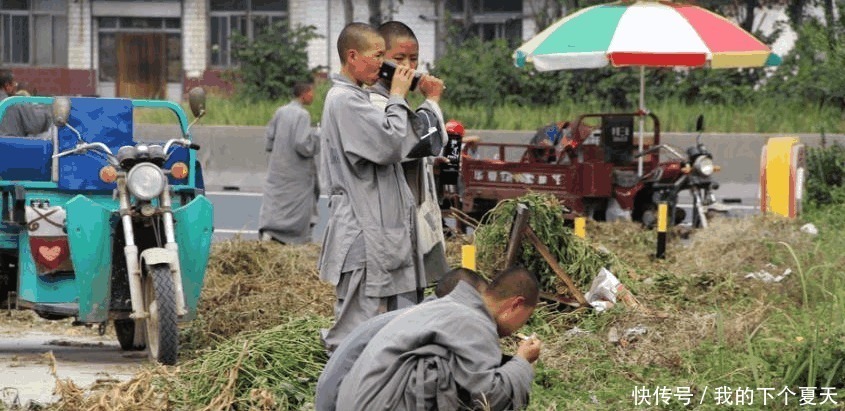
x=431 y=87
x=401 y=82
x=530 y=349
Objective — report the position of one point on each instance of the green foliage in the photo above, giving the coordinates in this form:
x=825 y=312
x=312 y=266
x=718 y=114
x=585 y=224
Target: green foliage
x=480 y=72
x=813 y=71
x=825 y=176
x=281 y=365
x=578 y=258
x=273 y=61
x=483 y=73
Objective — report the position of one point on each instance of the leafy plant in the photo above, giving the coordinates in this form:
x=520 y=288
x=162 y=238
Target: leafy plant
x=825 y=175
x=272 y=62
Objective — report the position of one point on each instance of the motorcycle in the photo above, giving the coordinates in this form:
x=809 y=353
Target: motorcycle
x=693 y=172
x=131 y=245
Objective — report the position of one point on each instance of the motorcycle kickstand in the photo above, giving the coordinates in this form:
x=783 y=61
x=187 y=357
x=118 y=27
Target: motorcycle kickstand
x=9 y=300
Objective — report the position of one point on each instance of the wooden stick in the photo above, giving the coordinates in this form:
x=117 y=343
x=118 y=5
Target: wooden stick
x=547 y=255
x=558 y=299
x=520 y=222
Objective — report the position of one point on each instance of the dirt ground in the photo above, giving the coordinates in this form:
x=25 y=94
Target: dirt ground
x=29 y=346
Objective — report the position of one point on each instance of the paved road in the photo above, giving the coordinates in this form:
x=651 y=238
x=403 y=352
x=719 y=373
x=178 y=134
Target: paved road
x=80 y=354
x=236 y=213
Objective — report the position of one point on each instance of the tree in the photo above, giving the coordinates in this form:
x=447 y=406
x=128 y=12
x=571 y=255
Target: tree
x=545 y=12
x=795 y=10
x=376 y=17
x=348 y=10
x=812 y=71
x=273 y=62
x=743 y=10
x=573 y=5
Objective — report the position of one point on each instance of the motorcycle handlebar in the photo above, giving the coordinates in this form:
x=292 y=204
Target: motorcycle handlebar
x=87 y=146
x=642 y=153
x=658 y=147
x=181 y=142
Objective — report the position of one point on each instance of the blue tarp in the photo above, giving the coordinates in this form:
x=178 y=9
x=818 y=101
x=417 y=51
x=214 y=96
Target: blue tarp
x=104 y=120
x=25 y=159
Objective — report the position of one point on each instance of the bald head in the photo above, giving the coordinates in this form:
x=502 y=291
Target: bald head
x=450 y=280
x=395 y=29
x=515 y=282
x=355 y=36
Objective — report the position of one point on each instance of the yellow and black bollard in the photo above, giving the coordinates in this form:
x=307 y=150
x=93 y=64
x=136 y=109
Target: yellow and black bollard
x=662 y=217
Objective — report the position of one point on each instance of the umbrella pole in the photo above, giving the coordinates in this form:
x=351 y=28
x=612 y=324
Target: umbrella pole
x=642 y=118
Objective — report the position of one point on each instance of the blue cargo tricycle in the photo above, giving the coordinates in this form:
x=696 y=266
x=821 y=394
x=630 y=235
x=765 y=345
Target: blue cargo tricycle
x=99 y=224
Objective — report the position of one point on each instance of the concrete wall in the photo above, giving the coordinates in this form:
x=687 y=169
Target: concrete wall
x=234 y=155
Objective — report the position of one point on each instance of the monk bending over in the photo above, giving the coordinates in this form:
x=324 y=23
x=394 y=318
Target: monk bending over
x=445 y=354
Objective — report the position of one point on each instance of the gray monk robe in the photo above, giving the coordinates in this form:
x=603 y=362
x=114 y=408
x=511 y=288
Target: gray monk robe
x=344 y=357
x=367 y=248
x=25 y=120
x=434 y=258
x=441 y=355
x=289 y=198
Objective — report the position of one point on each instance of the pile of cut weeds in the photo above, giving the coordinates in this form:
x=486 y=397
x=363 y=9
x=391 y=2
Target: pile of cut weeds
x=258 y=293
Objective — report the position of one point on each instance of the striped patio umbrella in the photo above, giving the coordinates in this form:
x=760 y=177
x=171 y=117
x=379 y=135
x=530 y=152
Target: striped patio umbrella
x=644 y=34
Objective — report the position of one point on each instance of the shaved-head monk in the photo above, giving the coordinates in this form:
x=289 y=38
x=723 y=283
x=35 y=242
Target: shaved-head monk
x=368 y=245
x=445 y=354
x=402 y=48
x=348 y=351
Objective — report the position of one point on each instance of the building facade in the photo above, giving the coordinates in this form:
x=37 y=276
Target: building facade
x=161 y=48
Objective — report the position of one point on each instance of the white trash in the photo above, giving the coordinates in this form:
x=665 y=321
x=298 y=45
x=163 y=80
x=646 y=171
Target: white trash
x=767 y=277
x=605 y=290
x=810 y=228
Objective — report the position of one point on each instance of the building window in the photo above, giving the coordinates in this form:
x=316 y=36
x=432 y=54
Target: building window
x=110 y=30
x=488 y=19
x=33 y=32
x=247 y=17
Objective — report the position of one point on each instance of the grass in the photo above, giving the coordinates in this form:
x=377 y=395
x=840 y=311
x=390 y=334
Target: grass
x=707 y=330
x=764 y=117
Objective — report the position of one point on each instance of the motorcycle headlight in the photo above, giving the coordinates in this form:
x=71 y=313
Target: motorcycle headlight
x=704 y=165
x=145 y=181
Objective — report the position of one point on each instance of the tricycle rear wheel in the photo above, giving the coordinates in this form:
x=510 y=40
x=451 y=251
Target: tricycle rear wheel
x=161 y=324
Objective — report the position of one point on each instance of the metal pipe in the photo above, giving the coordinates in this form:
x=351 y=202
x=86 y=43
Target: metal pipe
x=329 y=35
x=130 y=251
x=642 y=118
x=95 y=79
x=169 y=234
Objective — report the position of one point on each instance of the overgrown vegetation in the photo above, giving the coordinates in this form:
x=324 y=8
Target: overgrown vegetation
x=703 y=327
x=578 y=258
x=272 y=62
x=485 y=90
x=826 y=167
x=768 y=117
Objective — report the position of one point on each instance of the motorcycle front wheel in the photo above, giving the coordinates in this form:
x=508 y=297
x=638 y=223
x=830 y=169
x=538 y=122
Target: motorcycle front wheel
x=125 y=330
x=161 y=325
